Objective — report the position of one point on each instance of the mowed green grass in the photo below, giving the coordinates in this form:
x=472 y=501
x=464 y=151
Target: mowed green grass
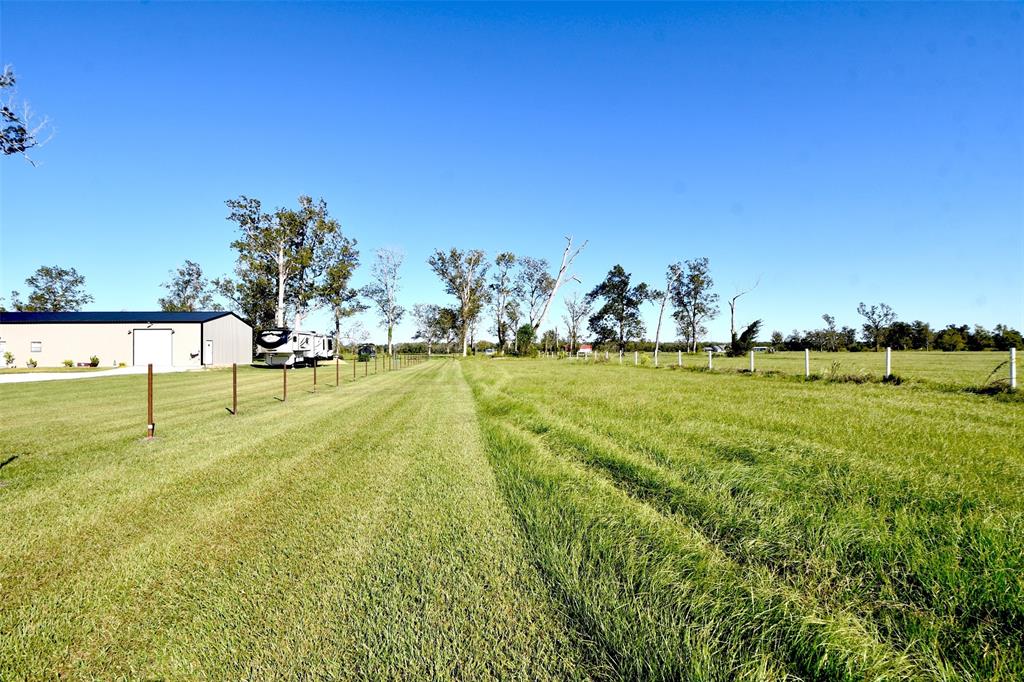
x=511 y=519
x=358 y=532
x=963 y=369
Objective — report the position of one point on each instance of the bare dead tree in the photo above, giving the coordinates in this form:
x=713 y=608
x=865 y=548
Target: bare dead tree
x=732 y=307
x=576 y=311
x=568 y=256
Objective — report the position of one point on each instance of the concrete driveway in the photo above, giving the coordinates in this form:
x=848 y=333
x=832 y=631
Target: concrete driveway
x=63 y=376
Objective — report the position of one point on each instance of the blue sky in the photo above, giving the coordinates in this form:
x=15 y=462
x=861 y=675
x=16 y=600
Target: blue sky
x=842 y=153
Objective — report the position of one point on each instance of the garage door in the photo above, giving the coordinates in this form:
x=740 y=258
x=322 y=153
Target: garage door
x=152 y=346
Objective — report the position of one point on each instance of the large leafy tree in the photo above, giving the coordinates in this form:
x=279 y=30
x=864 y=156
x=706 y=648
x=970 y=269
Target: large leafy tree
x=877 y=319
x=693 y=300
x=188 y=290
x=503 y=289
x=294 y=248
x=53 y=289
x=464 y=274
x=618 y=319
x=383 y=291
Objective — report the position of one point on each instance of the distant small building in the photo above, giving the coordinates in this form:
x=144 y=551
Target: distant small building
x=586 y=350
x=188 y=339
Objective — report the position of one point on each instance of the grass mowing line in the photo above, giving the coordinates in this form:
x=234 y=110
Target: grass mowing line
x=380 y=553
x=659 y=600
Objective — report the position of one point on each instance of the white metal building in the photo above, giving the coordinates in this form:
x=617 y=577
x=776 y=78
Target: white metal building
x=192 y=339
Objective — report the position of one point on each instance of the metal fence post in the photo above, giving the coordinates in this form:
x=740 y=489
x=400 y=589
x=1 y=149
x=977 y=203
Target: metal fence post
x=314 y=374
x=234 y=388
x=284 y=378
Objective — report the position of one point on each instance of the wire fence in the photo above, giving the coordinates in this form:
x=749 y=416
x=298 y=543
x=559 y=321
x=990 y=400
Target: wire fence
x=320 y=377
x=995 y=369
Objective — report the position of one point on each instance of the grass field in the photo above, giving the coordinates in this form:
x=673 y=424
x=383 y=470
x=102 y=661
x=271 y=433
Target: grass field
x=510 y=519
x=964 y=369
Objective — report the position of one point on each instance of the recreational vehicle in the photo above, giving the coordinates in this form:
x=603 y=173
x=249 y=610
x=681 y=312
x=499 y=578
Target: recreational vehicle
x=283 y=346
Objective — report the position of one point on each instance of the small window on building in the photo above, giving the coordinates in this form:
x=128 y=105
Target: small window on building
x=3 y=346
x=36 y=347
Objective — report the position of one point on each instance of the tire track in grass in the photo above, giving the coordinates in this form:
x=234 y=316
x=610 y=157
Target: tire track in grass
x=660 y=601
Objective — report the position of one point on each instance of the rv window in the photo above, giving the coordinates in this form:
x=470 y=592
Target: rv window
x=37 y=347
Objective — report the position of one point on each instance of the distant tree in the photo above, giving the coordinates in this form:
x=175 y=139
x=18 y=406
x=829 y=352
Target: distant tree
x=525 y=339
x=53 y=289
x=795 y=341
x=980 y=339
x=424 y=316
x=503 y=289
x=188 y=290
x=694 y=301
x=1005 y=338
x=921 y=335
x=952 y=338
x=464 y=275
x=19 y=133
x=549 y=340
x=830 y=335
x=899 y=336
x=877 y=319
x=778 y=342
x=618 y=319
x=513 y=314
x=383 y=291
x=576 y=311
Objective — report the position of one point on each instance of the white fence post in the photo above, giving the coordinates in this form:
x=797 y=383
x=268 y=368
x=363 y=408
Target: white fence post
x=807 y=363
x=655 y=357
x=710 y=363
x=680 y=353
x=620 y=357
x=751 y=362
x=888 y=361
x=636 y=358
x=1013 y=368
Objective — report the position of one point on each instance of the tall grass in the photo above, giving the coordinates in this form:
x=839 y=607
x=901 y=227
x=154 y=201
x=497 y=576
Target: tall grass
x=869 y=511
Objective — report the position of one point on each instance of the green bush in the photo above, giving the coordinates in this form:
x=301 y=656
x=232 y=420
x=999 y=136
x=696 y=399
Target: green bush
x=31 y=363
x=9 y=358
x=94 y=361
x=69 y=363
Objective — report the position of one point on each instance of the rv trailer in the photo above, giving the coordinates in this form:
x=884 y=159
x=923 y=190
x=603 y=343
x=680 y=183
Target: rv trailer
x=283 y=346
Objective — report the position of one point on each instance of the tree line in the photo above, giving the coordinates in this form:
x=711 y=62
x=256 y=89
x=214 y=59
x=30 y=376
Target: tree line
x=294 y=260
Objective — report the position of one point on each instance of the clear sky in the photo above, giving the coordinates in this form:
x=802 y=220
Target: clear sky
x=844 y=153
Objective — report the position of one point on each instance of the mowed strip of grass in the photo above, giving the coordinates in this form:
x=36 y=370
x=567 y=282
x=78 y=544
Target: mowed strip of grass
x=355 y=533
x=704 y=526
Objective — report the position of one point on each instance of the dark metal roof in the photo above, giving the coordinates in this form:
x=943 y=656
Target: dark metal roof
x=112 y=317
